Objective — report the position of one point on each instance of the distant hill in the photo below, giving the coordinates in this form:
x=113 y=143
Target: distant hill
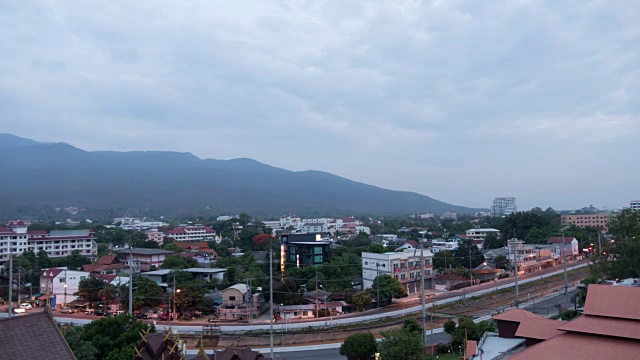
x=58 y=174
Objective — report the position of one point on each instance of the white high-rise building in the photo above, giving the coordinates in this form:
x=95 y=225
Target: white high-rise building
x=635 y=205
x=503 y=206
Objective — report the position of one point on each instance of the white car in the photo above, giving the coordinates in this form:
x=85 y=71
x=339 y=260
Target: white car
x=26 y=306
x=19 y=311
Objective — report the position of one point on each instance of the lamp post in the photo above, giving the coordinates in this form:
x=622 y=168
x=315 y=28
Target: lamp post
x=378 y=284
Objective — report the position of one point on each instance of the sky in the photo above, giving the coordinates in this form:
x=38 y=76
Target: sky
x=462 y=101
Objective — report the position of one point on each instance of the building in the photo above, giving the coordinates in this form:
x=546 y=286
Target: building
x=403 y=266
x=600 y=220
x=481 y=234
x=192 y=233
x=106 y=265
x=143 y=259
x=60 y=284
x=137 y=224
x=608 y=329
x=238 y=303
x=303 y=250
x=443 y=245
x=315 y=227
x=503 y=206
x=449 y=216
x=634 y=205
x=163 y=277
x=33 y=336
x=564 y=246
x=530 y=257
x=155 y=235
x=16 y=239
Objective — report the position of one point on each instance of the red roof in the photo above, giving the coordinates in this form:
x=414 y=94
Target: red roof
x=472 y=348
x=599 y=325
x=6 y=230
x=579 y=346
x=613 y=301
x=52 y=273
x=462 y=236
x=558 y=240
x=516 y=315
x=542 y=329
x=108 y=260
x=177 y=231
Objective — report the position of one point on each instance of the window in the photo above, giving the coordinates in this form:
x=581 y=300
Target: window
x=232 y=298
x=62 y=279
x=403 y=276
x=366 y=263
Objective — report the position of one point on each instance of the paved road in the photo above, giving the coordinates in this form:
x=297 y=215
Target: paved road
x=550 y=305
x=323 y=354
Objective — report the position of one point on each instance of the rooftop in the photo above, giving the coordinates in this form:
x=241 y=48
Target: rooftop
x=33 y=336
x=579 y=346
x=613 y=301
x=542 y=329
x=516 y=315
x=589 y=324
x=144 y=251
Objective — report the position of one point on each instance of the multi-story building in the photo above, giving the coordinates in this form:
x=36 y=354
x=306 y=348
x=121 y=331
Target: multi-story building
x=192 y=233
x=60 y=284
x=155 y=235
x=481 y=234
x=530 y=257
x=315 y=227
x=303 y=250
x=634 y=205
x=503 y=206
x=16 y=239
x=403 y=266
x=443 y=245
x=139 y=225
x=600 y=220
x=143 y=259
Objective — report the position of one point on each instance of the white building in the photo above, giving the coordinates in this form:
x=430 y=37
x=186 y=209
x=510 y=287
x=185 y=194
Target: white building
x=16 y=239
x=443 y=245
x=481 y=234
x=403 y=266
x=503 y=206
x=192 y=233
x=290 y=220
x=226 y=217
x=139 y=225
x=317 y=221
x=155 y=235
x=364 y=229
x=315 y=227
x=635 y=205
x=61 y=284
x=449 y=215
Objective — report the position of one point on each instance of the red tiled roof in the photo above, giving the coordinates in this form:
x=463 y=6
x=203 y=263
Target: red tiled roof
x=603 y=326
x=462 y=236
x=579 y=346
x=177 y=231
x=108 y=260
x=558 y=240
x=516 y=315
x=613 y=301
x=542 y=329
x=51 y=273
x=472 y=348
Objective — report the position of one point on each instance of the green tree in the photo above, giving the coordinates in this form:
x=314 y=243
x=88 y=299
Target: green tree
x=491 y=241
x=90 y=288
x=449 y=326
x=388 y=287
x=402 y=344
x=147 y=293
x=359 y=346
x=105 y=335
x=150 y=245
x=411 y=325
x=172 y=247
x=445 y=258
x=175 y=261
x=467 y=249
x=500 y=262
x=137 y=239
x=376 y=248
x=362 y=300
x=43 y=259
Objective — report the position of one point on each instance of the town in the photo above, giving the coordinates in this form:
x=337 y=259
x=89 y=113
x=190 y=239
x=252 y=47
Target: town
x=239 y=272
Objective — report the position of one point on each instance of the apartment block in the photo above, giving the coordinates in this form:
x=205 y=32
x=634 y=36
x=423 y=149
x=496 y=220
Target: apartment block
x=503 y=206
x=403 y=266
x=599 y=220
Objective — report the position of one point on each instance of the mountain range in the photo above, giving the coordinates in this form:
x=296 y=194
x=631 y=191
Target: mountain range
x=58 y=174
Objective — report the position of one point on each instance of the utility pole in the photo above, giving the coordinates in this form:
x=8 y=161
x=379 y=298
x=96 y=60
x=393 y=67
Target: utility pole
x=131 y=280
x=515 y=261
x=564 y=256
x=18 y=294
x=378 y=284
x=422 y=295
x=271 y=298
x=470 y=274
x=10 y=282
x=317 y=308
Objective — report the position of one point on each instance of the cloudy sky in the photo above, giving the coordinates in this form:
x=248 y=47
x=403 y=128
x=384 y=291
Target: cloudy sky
x=459 y=100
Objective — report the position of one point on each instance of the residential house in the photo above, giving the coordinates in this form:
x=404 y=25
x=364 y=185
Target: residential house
x=163 y=277
x=203 y=254
x=564 y=246
x=108 y=264
x=443 y=245
x=143 y=259
x=16 y=239
x=239 y=304
x=59 y=285
x=403 y=266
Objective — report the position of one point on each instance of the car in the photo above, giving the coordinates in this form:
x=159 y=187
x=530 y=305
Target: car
x=19 y=311
x=66 y=310
x=100 y=312
x=26 y=306
x=165 y=316
x=141 y=316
